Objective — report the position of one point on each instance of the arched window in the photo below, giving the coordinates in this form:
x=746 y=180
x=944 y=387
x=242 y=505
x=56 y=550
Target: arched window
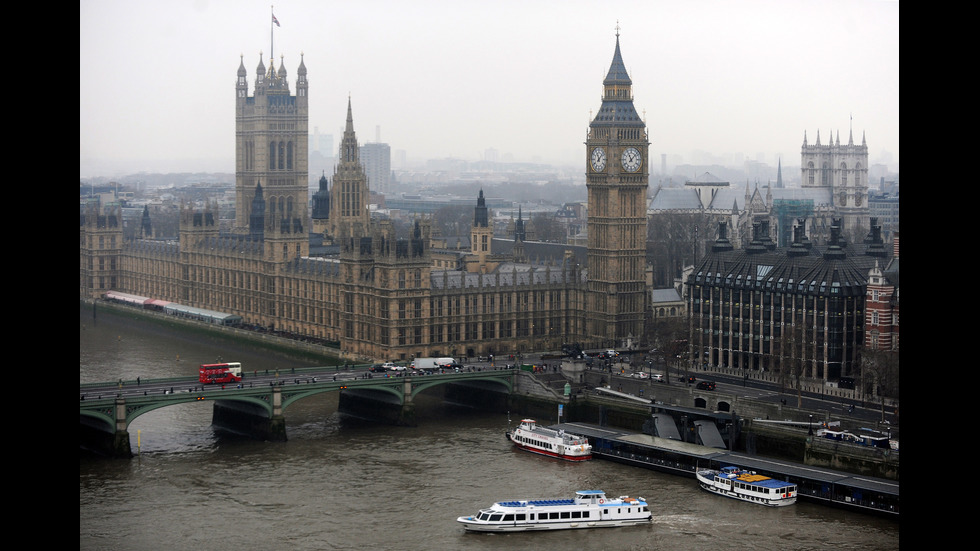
x=289 y=156
x=811 y=172
x=843 y=174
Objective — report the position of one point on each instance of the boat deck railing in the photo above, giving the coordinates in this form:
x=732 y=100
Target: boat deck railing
x=538 y=502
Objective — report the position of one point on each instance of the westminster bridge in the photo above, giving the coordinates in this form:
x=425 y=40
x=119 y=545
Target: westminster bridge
x=256 y=405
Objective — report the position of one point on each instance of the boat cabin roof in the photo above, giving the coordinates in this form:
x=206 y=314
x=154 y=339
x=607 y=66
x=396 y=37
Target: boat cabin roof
x=753 y=478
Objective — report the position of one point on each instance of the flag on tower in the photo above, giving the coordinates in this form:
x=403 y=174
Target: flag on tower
x=276 y=21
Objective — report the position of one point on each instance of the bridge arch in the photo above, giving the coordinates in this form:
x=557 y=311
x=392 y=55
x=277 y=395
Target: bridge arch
x=393 y=389
x=491 y=382
x=106 y=421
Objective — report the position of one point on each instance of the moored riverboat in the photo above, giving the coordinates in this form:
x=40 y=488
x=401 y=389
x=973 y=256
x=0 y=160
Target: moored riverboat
x=747 y=486
x=530 y=437
x=588 y=509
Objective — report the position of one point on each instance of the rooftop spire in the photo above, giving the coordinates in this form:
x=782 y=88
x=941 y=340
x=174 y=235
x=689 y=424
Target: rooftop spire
x=350 y=117
x=617 y=69
x=617 y=95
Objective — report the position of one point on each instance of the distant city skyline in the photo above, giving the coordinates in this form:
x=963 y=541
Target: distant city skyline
x=442 y=80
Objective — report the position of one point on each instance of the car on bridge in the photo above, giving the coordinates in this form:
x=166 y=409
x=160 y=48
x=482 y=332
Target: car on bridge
x=706 y=385
x=393 y=367
x=377 y=368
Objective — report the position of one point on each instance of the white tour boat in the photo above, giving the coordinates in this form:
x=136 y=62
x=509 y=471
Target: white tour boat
x=588 y=509
x=747 y=486
x=553 y=443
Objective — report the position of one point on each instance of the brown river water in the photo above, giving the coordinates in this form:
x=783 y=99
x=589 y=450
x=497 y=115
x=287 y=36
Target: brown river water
x=346 y=483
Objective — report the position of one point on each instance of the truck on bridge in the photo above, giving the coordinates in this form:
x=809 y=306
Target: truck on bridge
x=433 y=364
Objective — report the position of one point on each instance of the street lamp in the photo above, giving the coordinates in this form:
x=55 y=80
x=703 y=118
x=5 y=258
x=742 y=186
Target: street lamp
x=811 y=425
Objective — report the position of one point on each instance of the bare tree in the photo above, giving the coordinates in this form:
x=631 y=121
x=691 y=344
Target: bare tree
x=879 y=374
x=676 y=240
x=668 y=338
x=546 y=228
x=453 y=220
x=792 y=347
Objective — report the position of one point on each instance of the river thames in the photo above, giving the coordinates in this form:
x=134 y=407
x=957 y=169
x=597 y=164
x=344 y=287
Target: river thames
x=346 y=483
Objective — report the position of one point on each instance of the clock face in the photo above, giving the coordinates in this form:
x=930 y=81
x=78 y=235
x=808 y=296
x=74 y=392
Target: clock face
x=598 y=159
x=632 y=159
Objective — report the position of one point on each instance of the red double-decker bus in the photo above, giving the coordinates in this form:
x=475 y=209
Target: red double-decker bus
x=220 y=373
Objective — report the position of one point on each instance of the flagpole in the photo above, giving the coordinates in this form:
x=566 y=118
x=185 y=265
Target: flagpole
x=272 y=42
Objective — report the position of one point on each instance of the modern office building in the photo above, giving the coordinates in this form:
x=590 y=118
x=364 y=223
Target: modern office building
x=376 y=160
x=799 y=309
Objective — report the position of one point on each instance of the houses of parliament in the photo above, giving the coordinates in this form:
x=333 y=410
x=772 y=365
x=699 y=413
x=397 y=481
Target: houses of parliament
x=388 y=296
x=382 y=296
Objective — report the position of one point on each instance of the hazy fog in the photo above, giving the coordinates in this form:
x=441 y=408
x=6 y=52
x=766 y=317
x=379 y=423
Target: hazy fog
x=444 y=78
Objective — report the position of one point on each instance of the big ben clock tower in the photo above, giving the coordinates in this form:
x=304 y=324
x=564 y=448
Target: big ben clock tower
x=617 y=175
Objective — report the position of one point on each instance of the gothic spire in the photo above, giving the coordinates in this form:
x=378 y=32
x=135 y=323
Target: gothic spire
x=261 y=68
x=617 y=96
x=348 y=146
x=617 y=69
x=350 y=118
x=480 y=218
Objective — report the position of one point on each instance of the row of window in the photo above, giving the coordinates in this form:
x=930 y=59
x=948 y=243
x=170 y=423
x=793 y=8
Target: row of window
x=533 y=442
x=523 y=517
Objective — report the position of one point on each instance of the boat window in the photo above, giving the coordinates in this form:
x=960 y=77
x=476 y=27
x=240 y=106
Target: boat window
x=576 y=514
x=508 y=518
x=520 y=516
x=566 y=514
x=495 y=518
x=531 y=516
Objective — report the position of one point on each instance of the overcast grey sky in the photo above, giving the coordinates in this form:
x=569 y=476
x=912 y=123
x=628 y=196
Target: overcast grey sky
x=445 y=78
